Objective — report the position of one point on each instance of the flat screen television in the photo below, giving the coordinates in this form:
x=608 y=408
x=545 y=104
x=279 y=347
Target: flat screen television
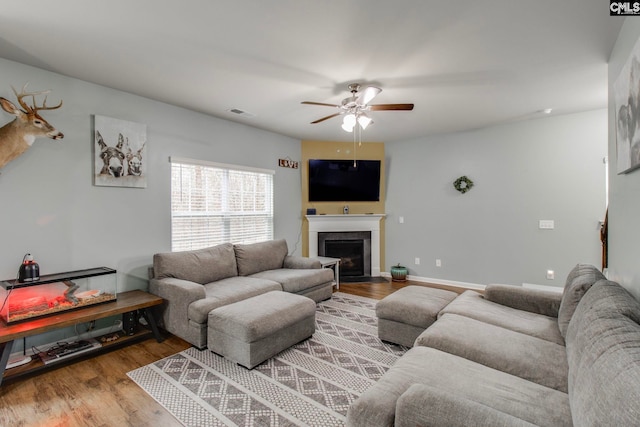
x=340 y=181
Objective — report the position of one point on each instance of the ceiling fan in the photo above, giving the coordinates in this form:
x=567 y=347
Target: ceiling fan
x=357 y=106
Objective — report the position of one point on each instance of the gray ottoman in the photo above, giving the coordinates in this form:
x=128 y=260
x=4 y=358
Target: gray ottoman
x=249 y=332
x=406 y=313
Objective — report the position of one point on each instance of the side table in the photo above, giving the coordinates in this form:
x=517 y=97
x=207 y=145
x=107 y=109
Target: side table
x=334 y=263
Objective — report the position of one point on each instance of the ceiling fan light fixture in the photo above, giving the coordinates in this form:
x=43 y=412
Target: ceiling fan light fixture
x=347 y=128
x=348 y=122
x=364 y=121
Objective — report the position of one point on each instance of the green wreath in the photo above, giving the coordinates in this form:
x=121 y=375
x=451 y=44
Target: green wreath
x=463 y=184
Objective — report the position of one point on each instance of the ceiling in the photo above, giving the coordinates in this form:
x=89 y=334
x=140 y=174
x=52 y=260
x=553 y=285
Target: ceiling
x=465 y=65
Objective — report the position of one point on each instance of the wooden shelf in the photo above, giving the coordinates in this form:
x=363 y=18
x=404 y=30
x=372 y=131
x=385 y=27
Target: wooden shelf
x=36 y=365
x=126 y=302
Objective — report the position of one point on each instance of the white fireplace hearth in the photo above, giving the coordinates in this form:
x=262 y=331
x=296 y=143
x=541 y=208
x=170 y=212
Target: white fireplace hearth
x=347 y=223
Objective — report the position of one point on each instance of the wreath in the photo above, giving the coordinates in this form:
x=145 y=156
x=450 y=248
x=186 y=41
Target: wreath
x=463 y=184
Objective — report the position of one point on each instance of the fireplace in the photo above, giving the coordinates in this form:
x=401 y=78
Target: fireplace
x=353 y=249
x=349 y=223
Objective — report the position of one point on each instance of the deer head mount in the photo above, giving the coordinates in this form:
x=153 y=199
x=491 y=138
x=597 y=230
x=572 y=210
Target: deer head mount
x=17 y=136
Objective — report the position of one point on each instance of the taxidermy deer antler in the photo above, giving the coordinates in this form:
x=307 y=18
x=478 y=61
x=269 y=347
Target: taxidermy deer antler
x=17 y=136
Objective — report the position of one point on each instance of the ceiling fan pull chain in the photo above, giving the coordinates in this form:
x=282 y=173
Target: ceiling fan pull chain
x=354 y=147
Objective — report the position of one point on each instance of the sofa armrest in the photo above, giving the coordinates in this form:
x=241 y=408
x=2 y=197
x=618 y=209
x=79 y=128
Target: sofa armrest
x=423 y=405
x=178 y=295
x=293 y=261
x=527 y=299
x=173 y=289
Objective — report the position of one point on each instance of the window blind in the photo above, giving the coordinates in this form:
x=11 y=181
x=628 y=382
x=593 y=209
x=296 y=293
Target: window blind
x=213 y=203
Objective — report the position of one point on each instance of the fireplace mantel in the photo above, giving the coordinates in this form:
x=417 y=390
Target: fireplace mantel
x=348 y=222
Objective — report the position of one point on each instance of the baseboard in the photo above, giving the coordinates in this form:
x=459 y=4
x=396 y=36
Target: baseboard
x=452 y=283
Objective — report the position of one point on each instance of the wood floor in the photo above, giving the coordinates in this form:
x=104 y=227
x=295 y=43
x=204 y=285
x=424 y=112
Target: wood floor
x=97 y=391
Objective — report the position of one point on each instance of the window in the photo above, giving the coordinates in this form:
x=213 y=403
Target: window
x=214 y=203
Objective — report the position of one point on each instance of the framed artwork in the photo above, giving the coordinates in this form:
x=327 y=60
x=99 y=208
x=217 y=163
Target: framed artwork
x=120 y=153
x=627 y=103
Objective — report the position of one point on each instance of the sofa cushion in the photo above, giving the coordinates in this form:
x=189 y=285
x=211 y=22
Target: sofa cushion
x=423 y=405
x=579 y=280
x=537 y=301
x=256 y=257
x=297 y=280
x=603 y=350
x=200 y=266
x=227 y=291
x=518 y=354
x=465 y=379
x=294 y=261
x=472 y=304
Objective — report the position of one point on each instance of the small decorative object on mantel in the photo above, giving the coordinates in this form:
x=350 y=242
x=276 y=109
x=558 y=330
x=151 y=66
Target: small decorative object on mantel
x=287 y=163
x=463 y=184
x=399 y=273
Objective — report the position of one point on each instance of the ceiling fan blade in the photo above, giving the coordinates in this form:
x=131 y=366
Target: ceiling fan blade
x=319 y=103
x=325 y=118
x=368 y=94
x=398 y=107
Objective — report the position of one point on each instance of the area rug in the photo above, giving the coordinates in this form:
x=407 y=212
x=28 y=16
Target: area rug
x=310 y=384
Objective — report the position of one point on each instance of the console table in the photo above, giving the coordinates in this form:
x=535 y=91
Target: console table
x=126 y=302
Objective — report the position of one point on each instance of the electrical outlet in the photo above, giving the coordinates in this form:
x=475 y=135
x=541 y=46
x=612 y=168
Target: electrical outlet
x=551 y=274
x=546 y=224
x=417 y=261
x=438 y=263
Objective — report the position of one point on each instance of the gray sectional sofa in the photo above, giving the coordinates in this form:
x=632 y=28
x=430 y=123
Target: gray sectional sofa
x=518 y=357
x=193 y=283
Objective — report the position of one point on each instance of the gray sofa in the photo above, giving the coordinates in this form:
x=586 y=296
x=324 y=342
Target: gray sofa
x=195 y=282
x=518 y=357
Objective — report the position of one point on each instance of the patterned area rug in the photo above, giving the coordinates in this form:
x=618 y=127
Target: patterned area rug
x=310 y=384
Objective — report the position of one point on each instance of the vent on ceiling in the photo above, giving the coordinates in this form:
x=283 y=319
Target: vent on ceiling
x=240 y=112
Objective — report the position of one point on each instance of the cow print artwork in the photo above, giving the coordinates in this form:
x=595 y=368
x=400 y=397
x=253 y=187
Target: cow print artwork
x=120 y=153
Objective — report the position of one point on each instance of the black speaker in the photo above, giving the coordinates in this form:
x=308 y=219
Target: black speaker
x=130 y=322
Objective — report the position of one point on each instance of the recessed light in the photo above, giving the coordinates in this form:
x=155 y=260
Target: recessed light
x=546 y=111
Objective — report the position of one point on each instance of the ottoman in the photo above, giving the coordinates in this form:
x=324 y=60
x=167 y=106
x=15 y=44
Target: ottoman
x=250 y=331
x=406 y=313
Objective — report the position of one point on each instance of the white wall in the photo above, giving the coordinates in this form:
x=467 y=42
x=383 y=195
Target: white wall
x=549 y=168
x=624 y=208
x=51 y=209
